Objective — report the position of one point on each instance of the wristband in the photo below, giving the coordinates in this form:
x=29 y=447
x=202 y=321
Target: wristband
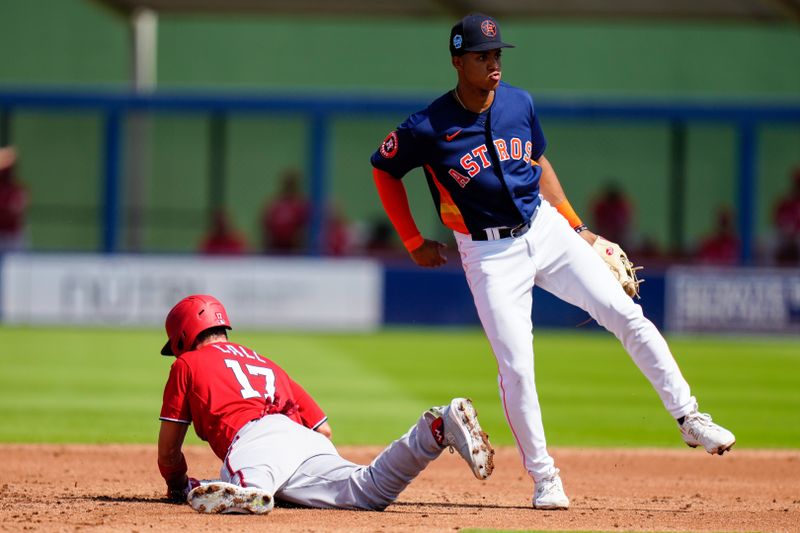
x=582 y=227
x=572 y=217
x=414 y=242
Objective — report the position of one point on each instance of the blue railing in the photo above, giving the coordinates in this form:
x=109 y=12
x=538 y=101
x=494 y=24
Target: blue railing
x=745 y=116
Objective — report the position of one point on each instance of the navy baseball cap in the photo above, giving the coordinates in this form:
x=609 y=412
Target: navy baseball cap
x=476 y=33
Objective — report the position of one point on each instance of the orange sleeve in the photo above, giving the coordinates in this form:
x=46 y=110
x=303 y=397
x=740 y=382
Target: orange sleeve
x=395 y=203
x=569 y=213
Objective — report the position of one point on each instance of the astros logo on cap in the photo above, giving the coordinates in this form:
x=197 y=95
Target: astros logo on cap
x=488 y=28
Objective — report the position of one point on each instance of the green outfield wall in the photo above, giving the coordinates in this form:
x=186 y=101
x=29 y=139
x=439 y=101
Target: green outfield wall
x=81 y=43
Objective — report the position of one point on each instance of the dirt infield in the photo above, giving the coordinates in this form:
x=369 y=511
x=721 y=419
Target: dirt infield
x=118 y=488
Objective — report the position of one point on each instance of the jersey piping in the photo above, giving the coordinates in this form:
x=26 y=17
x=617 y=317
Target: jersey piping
x=178 y=420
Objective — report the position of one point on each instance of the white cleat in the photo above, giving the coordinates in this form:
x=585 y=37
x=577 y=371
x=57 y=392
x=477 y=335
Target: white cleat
x=225 y=498
x=550 y=494
x=463 y=433
x=698 y=430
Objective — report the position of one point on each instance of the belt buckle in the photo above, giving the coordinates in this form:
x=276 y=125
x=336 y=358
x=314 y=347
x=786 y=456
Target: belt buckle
x=521 y=229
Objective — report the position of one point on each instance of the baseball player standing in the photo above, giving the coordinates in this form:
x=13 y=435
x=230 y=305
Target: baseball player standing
x=273 y=438
x=481 y=147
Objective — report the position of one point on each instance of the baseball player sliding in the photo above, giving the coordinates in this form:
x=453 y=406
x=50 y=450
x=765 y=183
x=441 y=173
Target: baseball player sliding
x=273 y=438
x=481 y=147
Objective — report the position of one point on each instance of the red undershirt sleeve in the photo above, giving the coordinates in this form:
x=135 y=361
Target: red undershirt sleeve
x=395 y=202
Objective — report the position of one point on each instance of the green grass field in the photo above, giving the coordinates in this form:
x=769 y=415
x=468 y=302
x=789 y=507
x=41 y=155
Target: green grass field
x=104 y=385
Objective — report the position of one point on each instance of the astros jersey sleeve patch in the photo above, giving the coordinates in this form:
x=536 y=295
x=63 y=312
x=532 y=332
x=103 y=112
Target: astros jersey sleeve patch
x=399 y=152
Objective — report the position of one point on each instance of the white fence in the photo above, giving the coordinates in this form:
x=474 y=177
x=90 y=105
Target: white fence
x=302 y=293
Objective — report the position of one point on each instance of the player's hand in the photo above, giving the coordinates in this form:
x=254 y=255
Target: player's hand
x=178 y=494
x=429 y=254
x=326 y=430
x=588 y=236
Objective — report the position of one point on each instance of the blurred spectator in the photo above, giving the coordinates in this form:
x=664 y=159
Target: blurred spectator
x=222 y=238
x=338 y=238
x=786 y=217
x=722 y=246
x=787 y=210
x=13 y=203
x=613 y=215
x=381 y=238
x=648 y=252
x=380 y=241
x=285 y=218
x=787 y=253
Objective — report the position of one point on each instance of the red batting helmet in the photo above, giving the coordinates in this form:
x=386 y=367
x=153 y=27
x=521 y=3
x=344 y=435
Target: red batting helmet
x=190 y=317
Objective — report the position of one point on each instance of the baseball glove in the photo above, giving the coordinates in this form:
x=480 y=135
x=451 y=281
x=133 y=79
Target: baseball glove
x=620 y=265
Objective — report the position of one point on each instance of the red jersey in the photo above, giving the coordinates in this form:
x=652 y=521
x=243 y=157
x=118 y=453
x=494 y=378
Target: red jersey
x=612 y=218
x=223 y=244
x=787 y=216
x=13 y=201
x=284 y=222
x=223 y=386
x=719 y=250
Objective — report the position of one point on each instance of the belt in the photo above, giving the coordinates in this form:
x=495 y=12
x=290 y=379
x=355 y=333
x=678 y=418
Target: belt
x=503 y=232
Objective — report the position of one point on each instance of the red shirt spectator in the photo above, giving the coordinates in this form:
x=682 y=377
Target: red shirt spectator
x=787 y=211
x=285 y=218
x=223 y=239
x=721 y=247
x=613 y=215
x=338 y=238
x=13 y=203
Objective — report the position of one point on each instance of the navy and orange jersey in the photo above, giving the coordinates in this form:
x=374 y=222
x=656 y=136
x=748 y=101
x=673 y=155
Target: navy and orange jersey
x=223 y=386
x=481 y=168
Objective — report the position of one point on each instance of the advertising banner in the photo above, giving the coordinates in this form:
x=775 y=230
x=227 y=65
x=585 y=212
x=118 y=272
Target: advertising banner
x=736 y=300
x=302 y=293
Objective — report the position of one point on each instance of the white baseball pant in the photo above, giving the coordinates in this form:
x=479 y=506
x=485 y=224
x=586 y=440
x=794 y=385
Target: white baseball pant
x=301 y=466
x=501 y=275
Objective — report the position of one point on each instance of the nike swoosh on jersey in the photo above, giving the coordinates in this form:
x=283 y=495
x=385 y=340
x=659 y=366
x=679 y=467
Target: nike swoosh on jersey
x=452 y=136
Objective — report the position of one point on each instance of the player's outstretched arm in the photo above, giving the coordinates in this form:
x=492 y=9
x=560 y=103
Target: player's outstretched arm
x=552 y=191
x=424 y=252
x=171 y=462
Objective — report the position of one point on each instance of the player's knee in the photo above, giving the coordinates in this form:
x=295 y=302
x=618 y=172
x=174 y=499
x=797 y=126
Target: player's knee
x=516 y=370
x=631 y=327
x=620 y=316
